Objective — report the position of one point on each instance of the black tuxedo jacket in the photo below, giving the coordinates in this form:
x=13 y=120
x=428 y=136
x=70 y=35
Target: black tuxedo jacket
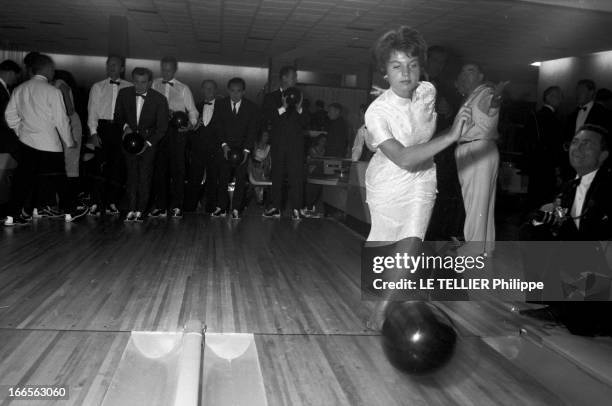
x=598 y=116
x=8 y=138
x=596 y=217
x=210 y=133
x=154 y=115
x=547 y=138
x=238 y=130
x=288 y=131
x=271 y=103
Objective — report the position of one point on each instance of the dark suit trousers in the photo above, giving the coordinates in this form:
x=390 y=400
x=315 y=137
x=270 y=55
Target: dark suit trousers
x=288 y=162
x=449 y=212
x=204 y=157
x=226 y=172
x=40 y=175
x=110 y=166
x=139 y=178
x=170 y=170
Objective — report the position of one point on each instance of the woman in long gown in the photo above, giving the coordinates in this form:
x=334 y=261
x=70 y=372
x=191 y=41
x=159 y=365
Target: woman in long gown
x=401 y=177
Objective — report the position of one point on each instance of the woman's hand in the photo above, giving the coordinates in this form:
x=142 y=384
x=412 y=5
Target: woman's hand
x=463 y=121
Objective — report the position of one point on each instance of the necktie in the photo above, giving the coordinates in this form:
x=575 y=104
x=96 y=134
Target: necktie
x=115 y=82
x=167 y=82
x=234 y=108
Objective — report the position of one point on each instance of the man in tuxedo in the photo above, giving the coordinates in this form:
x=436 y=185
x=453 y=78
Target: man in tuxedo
x=584 y=209
x=142 y=109
x=205 y=153
x=37 y=114
x=587 y=199
x=546 y=154
x=587 y=112
x=238 y=126
x=287 y=149
x=9 y=74
x=273 y=100
x=603 y=96
x=106 y=138
x=170 y=160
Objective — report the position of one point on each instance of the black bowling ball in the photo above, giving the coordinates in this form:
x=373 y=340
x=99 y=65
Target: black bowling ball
x=235 y=157
x=417 y=337
x=133 y=143
x=180 y=119
x=292 y=96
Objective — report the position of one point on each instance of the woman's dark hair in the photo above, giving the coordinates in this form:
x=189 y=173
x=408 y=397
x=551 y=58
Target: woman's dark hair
x=404 y=39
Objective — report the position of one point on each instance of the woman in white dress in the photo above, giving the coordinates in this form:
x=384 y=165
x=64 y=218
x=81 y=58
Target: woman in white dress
x=401 y=177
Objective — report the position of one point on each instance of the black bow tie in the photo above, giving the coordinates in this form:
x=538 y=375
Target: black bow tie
x=167 y=82
x=115 y=82
x=583 y=108
x=208 y=103
x=143 y=95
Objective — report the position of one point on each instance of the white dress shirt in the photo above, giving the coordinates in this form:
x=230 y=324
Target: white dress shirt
x=37 y=114
x=102 y=98
x=581 y=191
x=139 y=103
x=236 y=105
x=207 y=112
x=179 y=97
x=3 y=83
x=583 y=114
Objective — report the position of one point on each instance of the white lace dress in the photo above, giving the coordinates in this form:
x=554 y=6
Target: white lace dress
x=400 y=201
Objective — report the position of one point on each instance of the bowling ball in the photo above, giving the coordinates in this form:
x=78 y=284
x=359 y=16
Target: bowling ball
x=180 y=119
x=417 y=337
x=292 y=96
x=133 y=143
x=235 y=157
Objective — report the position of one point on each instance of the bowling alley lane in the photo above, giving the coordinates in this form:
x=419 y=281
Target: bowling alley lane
x=296 y=370
x=257 y=276
x=71 y=295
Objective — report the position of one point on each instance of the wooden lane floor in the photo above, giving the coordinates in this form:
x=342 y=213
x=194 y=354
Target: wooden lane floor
x=257 y=275
x=352 y=370
x=303 y=369
x=66 y=289
x=84 y=361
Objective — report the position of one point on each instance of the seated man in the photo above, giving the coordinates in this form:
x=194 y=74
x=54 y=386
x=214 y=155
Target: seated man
x=581 y=212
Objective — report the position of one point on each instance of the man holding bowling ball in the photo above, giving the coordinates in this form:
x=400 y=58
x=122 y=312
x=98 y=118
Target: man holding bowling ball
x=169 y=177
x=238 y=125
x=143 y=110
